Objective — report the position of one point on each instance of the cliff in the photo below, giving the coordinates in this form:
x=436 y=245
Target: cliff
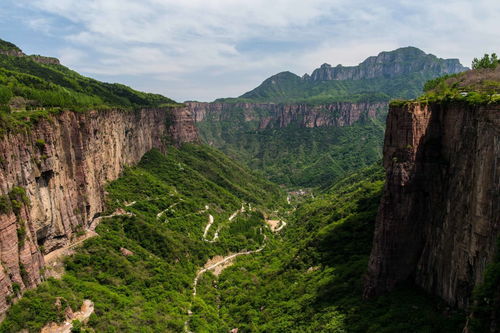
x=439 y=217
x=271 y=115
x=390 y=64
x=400 y=73
x=62 y=164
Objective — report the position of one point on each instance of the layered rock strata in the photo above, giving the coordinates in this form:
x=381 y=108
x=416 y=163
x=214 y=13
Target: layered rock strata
x=63 y=163
x=439 y=218
x=270 y=115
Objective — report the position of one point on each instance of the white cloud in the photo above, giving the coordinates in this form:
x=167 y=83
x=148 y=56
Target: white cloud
x=177 y=41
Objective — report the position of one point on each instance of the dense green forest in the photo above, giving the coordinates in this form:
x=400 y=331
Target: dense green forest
x=150 y=291
x=308 y=278
x=298 y=156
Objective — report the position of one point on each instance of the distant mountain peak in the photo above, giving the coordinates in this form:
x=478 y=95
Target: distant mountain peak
x=410 y=65
x=387 y=64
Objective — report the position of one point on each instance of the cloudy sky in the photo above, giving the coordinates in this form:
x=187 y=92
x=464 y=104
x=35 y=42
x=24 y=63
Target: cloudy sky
x=205 y=49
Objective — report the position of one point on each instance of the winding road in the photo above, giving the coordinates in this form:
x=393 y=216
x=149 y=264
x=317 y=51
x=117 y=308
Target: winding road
x=224 y=260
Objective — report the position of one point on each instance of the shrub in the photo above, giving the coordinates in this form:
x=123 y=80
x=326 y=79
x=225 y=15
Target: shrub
x=40 y=143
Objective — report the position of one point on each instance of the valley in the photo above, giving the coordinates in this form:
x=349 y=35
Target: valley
x=354 y=199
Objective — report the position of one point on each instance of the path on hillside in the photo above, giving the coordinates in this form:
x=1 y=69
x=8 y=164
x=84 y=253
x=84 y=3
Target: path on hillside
x=53 y=262
x=211 y=221
x=218 y=263
x=227 y=260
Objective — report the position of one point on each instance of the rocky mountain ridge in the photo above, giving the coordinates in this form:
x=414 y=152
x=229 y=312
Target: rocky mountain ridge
x=388 y=64
x=400 y=73
x=12 y=50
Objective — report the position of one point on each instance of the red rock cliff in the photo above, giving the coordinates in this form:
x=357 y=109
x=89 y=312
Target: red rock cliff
x=270 y=115
x=63 y=164
x=438 y=220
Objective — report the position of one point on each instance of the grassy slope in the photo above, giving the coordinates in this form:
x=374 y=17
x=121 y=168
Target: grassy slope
x=312 y=280
x=151 y=290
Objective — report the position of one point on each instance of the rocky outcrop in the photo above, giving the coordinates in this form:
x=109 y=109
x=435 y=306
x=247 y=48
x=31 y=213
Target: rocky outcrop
x=67 y=326
x=63 y=163
x=270 y=115
x=439 y=217
x=14 y=51
x=45 y=60
x=389 y=64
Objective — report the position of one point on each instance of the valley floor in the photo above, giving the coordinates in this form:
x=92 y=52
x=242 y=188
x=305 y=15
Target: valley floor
x=183 y=254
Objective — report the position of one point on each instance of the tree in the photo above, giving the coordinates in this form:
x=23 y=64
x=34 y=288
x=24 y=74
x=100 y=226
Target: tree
x=486 y=61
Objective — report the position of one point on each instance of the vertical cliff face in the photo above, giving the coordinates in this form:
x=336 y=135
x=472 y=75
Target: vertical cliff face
x=439 y=217
x=271 y=115
x=63 y=163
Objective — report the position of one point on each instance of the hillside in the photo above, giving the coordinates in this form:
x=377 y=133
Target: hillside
x=166 y=201
x=311 y=277
x=34 y=86
x=295 y=145
x=394 y=74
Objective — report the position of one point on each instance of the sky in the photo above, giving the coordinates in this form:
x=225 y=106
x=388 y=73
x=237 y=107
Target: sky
x=207 y=49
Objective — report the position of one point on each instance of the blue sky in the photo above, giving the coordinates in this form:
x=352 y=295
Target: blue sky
x=206 y=49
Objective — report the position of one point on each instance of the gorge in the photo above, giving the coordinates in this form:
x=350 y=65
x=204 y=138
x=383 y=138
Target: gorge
x=361 y=252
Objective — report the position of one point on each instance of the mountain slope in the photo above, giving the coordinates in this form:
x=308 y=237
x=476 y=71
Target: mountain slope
x=29 y=82
x=395 y=74
x=168 y=199
x=310 y=279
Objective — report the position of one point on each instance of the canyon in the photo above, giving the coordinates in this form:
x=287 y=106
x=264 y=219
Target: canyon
x=437 y=224
x=262 y=116
x=63 y=163
x=439 y=218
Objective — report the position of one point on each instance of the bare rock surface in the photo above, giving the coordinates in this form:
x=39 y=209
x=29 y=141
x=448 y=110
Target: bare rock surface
x=439 y=218
x=270 y=115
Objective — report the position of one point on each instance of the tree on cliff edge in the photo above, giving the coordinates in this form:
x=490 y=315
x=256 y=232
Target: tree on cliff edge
x=486 y=61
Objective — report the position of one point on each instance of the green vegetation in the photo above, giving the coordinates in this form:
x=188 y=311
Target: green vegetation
x=486 y=308
x=30 y=90
x=308 y=279
x=405 y=72
x=478 y=86
x=311 y=280
x=297 y=156
x=317 y=157
x=486 y=61
x=290 y=88
x=7 y=46
x=150 y=291
x=13 y=201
